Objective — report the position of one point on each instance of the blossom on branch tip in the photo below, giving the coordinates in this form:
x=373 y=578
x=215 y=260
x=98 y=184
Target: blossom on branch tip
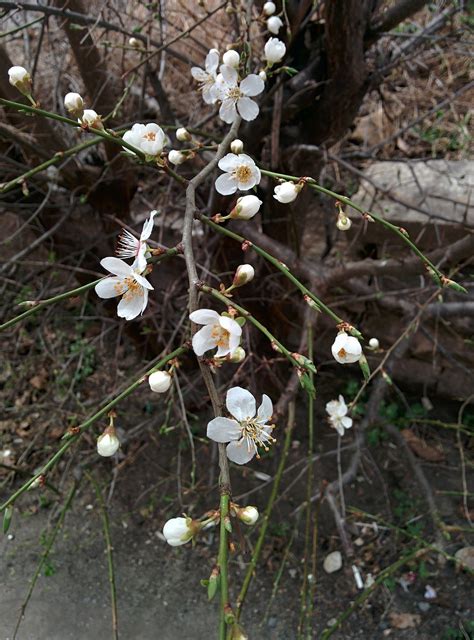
x=274 y=24
x=218 y=331
x=274 y=51
x=346 y=349
x=248 y=428
x=131 y=247
x=19 y=78
x=243 y=274
x=207 y=76
x=338 y=418
x=235 y=96
x=236 y=146
x=159 y=381
x=183 y=134
x=241 y=172
x=231 y=58
x=91 y=118
x=127 y=282
x=74 y=104
x=286 y=192
x=269 y=8
x=148 y=138
x=108 y=443
x=177 y=157
x=343 y=223
x=178 y=531
x=247 y=207
x=248 y=515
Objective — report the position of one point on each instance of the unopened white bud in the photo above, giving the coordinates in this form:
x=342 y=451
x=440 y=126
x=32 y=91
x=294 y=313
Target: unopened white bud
x=108 y=443
x=178 y=531
x=243 y=274
x=274 y=24
x=236 y=146
x=159 y=381
x=183 y=134
x=274 y=50
x=238 y=355
x=176 y=157
x=374 y=343
x=136 y=44
x=246 y=208
x=20 y=79
x=286 y=192
x=269 y=8
x=74 y=104
x=263 y=75
x=92 y=119
x=231 y=58
x=249 y=515
x=343 y=223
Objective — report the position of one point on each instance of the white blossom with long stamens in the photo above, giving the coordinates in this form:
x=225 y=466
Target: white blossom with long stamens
x=241 y=173
x=338 y=418
x=207 y=76
x=126 y=282
x=248 y=428
x=131 y=247
x=149 y=138
x=235 y=96
x=218 y=331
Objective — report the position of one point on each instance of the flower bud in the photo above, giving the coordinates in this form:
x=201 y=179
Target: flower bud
x=263 y=75
x=274 y=50
x=183 y=134
x=74 y=105
x=238 y=355
x=159 y=381
x=343 y=223
x=269 y=8
x=244 y=273
x=176 y=157
x=178 y=531
x=286 y=192
x=136 y=44
x=108 y=443
x=246 y=208
x=21 y=79
x=231 y=58
x=91 y=119
x=374 y=343
x=237 y=146
x=248 y=515
x=274 y=24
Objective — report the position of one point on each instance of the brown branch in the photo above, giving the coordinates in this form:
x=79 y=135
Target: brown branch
x=392 y=17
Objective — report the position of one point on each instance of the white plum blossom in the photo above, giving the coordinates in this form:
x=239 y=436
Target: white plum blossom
x=236 y=146
x=338 y=418
x=74 y=104
x=243 y=274
x=346 y=349
x=133 y=42
x=262 y=75
x=108 y=443
x=231 y=58
x=274 y=24
x=147 y=138
x=131 y=247
x=241 y=172
x=269 y=8
x=248 y=515
x=374 y=343
x=218 y=331
x=247 y=430
x=19 y=78
x=159 y=381
x=343 y=223
x=207 y=76
x=238 y=356
x=247 y=207
x=183 y=134
x=274 y=50
x=178 y=531
x=286 y=192
x=91 y=119
x=236 y=97
x=177 y=157
x=127 y=282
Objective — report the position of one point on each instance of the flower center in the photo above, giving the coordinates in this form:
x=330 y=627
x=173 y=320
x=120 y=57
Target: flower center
x=151 y=135
x=220 y=336
x=342 y=353
x=243 y=173
x=254 y=431
x=234 y=93
x=132 y=288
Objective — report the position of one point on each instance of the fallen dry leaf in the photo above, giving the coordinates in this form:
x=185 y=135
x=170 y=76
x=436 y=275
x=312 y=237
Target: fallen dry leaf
x=421 y=448
x=404 y=620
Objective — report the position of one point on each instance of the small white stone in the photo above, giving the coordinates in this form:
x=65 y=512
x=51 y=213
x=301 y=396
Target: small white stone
x=332 y=562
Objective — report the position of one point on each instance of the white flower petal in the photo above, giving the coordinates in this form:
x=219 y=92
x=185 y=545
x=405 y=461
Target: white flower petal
x=109 y=287
x=242 y=451
x=228 y=111
x=130 y=306
x=252 y=85
x=230 y=162
x=265 y=410
x=230 y=325
x=229 y=74
x=203 y=341
x=223 y=430
x=148 y=227
x=142 y=281
x=116 y=266
x=247 y=108
x=199 y=74
x=346 y=422
x=226 y=184
x=212 y=61
x=204 y=316
x=240 y=403
x=234 y=342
